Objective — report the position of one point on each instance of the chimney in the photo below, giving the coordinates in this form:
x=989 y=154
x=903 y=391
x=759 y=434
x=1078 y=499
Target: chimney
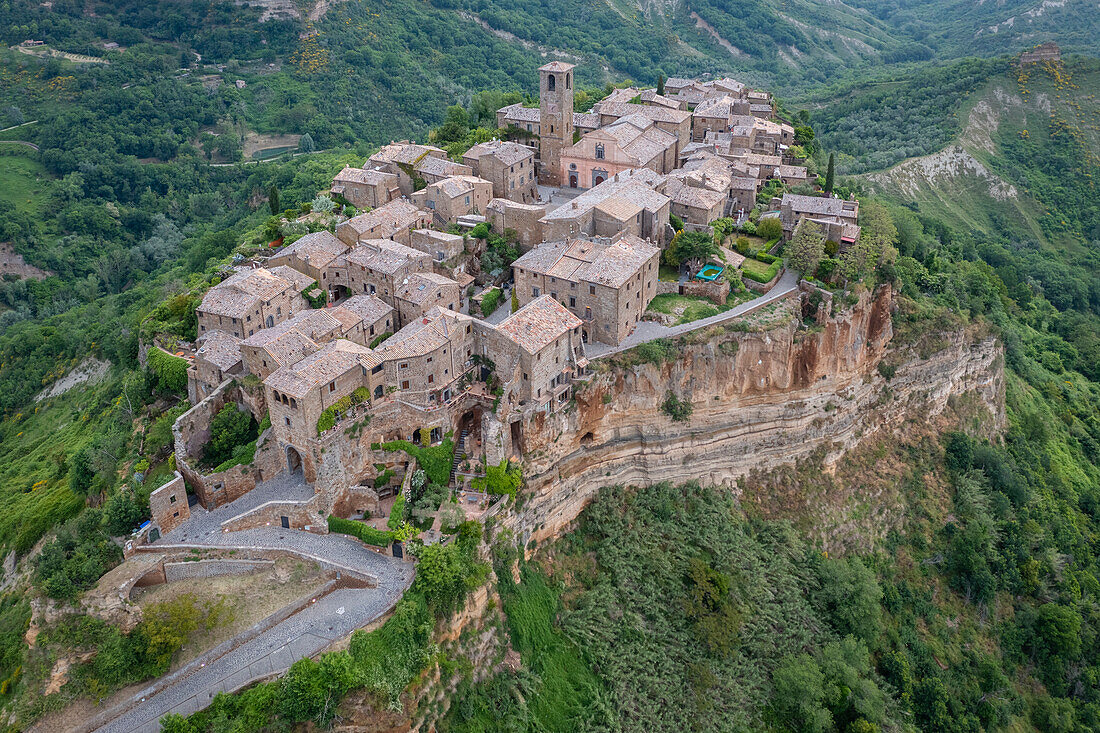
x=574 y=204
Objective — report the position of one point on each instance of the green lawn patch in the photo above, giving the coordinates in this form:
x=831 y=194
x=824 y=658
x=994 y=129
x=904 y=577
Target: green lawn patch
x=686 y=308
x=760 y=272
x=23 y=181
x=668 y=273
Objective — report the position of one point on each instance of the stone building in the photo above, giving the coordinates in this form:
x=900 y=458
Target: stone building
x=426 y=358
x=420 y=292
x=626 y=203
x=395 y=221
x=415 y=165
x=247 y=301
x=365 y=188
x=607 y=285
x=837 y=217
x=311 y=255
x=453 y=197
x=378 y=266
x=555 y=118
x=629 y=142
x=693 y=202
x=299 y=393
x=524 y=219
x=551 y=349
x=217 y=358
x=168 y=506
x=440 y=246
x=673 y=121
x=509 y=166
x=716 y=115
x=529 y=119
x=363 y=318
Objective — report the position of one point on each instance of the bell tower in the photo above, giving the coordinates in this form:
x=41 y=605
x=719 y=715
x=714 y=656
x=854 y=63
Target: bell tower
x=555 y=119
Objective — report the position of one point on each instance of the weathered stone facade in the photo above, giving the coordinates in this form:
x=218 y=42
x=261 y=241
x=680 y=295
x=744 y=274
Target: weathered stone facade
x=168 y=505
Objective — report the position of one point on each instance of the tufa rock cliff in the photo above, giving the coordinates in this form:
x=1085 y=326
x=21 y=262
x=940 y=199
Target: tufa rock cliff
x=759 y=400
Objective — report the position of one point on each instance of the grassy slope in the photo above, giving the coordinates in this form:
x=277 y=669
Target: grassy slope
x=985 y=178
x=23 y=181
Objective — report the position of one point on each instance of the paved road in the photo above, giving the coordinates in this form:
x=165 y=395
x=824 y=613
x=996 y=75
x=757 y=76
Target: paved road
x=302 y=635
x=651 y=330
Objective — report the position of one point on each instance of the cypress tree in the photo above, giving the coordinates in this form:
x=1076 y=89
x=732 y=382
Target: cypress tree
x=829 y=175
x=273 y=199
x=661 y=84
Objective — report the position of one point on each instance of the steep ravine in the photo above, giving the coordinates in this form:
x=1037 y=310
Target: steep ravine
x=760 y=400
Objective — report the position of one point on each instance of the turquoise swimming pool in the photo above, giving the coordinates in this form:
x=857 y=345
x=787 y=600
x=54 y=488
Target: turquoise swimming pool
x=710 y=273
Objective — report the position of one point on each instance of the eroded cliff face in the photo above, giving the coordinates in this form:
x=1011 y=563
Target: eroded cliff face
x=759 y=400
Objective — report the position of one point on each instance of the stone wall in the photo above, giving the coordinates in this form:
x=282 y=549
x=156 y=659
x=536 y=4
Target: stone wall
x=299 y=515
x=168 y=505
x=191 y=432
x=184 y=570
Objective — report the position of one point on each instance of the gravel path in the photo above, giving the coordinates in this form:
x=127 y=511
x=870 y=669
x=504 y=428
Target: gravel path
x=651 y=330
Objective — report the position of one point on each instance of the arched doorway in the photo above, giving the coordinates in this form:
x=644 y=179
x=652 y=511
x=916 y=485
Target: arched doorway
x=378 y=392
x=598 y=177
x=293 y=459
x=572 y=180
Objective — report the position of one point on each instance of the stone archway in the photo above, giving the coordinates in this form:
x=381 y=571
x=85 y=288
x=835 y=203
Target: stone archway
x=572 y=180
x=293 y=460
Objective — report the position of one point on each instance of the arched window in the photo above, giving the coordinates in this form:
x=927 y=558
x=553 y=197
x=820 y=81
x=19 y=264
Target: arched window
x=568 y=80
x=599 y=151
x=550 y=83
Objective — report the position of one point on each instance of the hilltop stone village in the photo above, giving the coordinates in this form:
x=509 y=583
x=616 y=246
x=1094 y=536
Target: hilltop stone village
x=358 y=346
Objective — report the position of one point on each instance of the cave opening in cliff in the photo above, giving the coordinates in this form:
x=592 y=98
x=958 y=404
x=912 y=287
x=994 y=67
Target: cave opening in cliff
x=588 y=439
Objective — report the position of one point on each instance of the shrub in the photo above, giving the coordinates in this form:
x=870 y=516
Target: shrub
x=397 y=514
x=481 y=231
x=748 y=228
x=767 y=276
x=436 y=461
x=170 y=371
x=675 y=222
x=315 y=301
x=77 y=557
x=770 y=228
x=886 y=370
x=679 y=410
x=231 y=429
x=379 y=339
x=367 y=534
x=491 y=301
x=503 y=479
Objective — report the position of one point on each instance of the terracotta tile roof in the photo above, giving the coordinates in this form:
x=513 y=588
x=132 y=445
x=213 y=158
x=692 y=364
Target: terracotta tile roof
x=587 y=120
x=314 y=324
x=793 y=171
x=441 y=167
x=813 y=204
x=384 y=255
x=765 y=108
x=657 y=114
x=515 y=113
x=427 y=287
x=367 y=308
x=391 y=217
x=242 y=292
x=333 y=360
x=538 y=324
x=220 y=349
x=635 y=186
x=424 y=335
x=619 y=208
x=696 y=197
x=581 y=260
x=557 y=66
x=456 y=186
x=299 y=281
x=405 y=152
x=364 y=176
x=290 y=348
x=318 y=249
x=508 y=153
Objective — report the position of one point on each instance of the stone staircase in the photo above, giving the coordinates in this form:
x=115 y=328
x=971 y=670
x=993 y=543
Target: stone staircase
x=460 y=453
